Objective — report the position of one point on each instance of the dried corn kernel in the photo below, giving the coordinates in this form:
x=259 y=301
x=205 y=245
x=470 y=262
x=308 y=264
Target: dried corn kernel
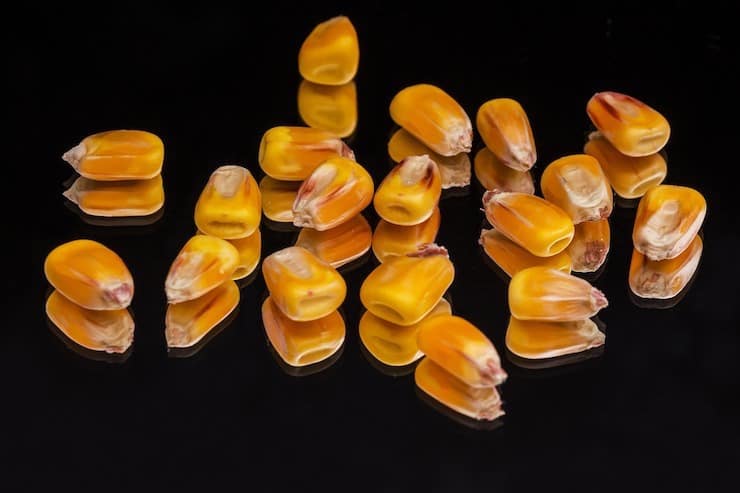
x=336 y=191
x=118 y=155
x=512 y=258
x=277 y=198
x=664 y=279
x=117 y=198
x=410 y=192
x=667 y=220
x=404 y=289
x=534 y=339
x=339 y=245
x=203 y=264
x=230 y=205
x=189 y=322
x=250 y=251
x=90 y=275
x=433 y=117
x=541 y=293
x=504 y=127
x=633 y=127
x=390 y=239
x=630 y=177
x=577 y=185
x=482 y=403
x=331 y=108
x=493 y=174
x=111 y=330
x=590 y=245
x=302 y=285
x=539 y=226
x=331 y=53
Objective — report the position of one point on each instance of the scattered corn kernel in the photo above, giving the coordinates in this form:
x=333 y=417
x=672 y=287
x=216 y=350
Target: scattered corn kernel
x=664 y=279
x=277 y=198
x=493 y=174
x=189 y=322
x=534 y=339
x=504 y=127
x=332 y=108
x=433 y=117
x=577 y=185
x=339 y=245
x=410 y=192
x=331 y=53
x=117 y=198
x=230 y=205
x=512 y=258
x=633 y=127
x=590 y=245
x=541 y=293
x=118 y=155
x=390 y=239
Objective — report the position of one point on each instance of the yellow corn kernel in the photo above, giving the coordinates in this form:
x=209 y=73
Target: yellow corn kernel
x=392 y=344
x=493 y=174
x=633 y=127
x=117 y=198
x=390 y=239
x=577 y=185
x=90 y=275
x=277 y=198
x=203 y=264
x=664 y=279
x=302 y=343
x=331 y=108
x=590 y=245
x=512 y=258
x=433 y=117
x=539 y=226
x=630 y=177
x=534 y=339
x=481 y=403
x=293 y=153
x=667 y=220
x=118 y=155
x=340 y=245
x=504 y=127
x=404 y=289
x=230 y=205
x=110 y=330
x=541 y=293
x=189 y=322
x=331 y=53
x=250 y=251
x=454 y=170
x=336 y=191
x=410 y=192
x=302 y=285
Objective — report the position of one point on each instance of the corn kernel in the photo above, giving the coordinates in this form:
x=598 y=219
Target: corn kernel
x=230 y=205
x=633 y=127
x=534 y=339
x=203 y=264
x=339 y=245
x=481 y=403
x=90 y=275
x=664 y=279
x=250 y=251
x=577 y=185
x=630 y=177
x=590 y=245
x=277 y=198
x=390 y=239
x=667 y=220
x=404 y=289
x=117 y=198
x=410 y=192
x=433 y=117
x=111 y=331
x=539 y=226
x=331 y=108
x=189 y=322
x=512 y=258
x=493 y=174
x=504 y=127
x=331 y=53
x=336 y=191
x=118 y=155
x=541 y=293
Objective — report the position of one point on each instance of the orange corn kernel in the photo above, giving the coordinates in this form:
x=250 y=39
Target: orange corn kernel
x=663 y=279
x=332 y=108
x=539 y=226
x=667 y=220
x=188 y=322
x=250 y=252
x=410 y=192
x=336 y=191
x=504 y=127
x=541 y=293
x=577 y=185
x=230 y=205
x=340 y=245
x=302 y=285
x=493 y=174
x=633 y=127
x=404 y=289
x=117 y=198
x=203 y=264
x=590 y=245
x=111 y=330
x=512 y=258
x=331 y=53
x=534 y=339
x=433 y=117
x=277 y=198
x=390 y=239
x=90 y=275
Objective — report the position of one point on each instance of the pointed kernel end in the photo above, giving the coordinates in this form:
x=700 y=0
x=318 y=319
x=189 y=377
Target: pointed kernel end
x=494 y=373
x=491 y=414
x=71 y=194
x=598 y=299
x=120 y=295
x=74 y=155
x=429 y=250
x=483 y=233
x=595 y=135
x=177 y=337
x=490 y=195
x=347 y=152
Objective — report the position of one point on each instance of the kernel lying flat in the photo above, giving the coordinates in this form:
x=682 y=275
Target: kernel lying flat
x=504 y=127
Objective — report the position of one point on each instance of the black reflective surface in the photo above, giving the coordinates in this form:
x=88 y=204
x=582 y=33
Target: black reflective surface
x=656 y=410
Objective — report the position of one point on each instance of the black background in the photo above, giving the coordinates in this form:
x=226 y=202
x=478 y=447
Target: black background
x=656 y=410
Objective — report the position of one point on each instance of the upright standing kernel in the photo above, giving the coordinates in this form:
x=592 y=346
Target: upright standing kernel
x=331 y=53
x=230 y=205
x=331 y=108
x=504 y=127
x=577 y=185
x=410 y=192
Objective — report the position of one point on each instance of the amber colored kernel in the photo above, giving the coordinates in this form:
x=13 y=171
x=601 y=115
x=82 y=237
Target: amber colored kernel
x=126 y=198
x=277 y=198
x=340 y=245
x=534 y=339
x=250 y=251
x=664 y=279
x=512 y=258
x=590 y=245
x=189 y=322
x=391 y=239
x=332 y=108
x=330 y=54
x=230 y=205
x=493 y=174
x=504 y=127
x=410 y=192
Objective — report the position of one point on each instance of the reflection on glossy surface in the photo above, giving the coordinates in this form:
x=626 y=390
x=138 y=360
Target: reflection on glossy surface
x=537 y=367
x=392 y=240
x=188 y=352
x=389 y=370
x=493 y=174
x=304 y=371
x=332 y=108
x=664 y=279
x=510 y=258
x=546 y=340
x=340 y=245
x=277 y=199
x=461 y=419
x=132 y=198
x=590 y=245
x=114 y=222
x=83 y=352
